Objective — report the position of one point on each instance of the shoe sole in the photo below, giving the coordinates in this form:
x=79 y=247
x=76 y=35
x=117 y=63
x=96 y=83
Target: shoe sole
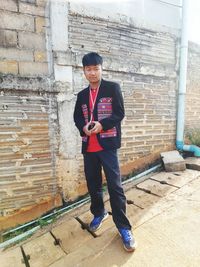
x=130 y=249
x=106 y=217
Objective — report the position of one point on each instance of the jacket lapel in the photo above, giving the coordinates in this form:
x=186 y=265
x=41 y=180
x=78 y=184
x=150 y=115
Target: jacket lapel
x=101 y=88
x=87 y=95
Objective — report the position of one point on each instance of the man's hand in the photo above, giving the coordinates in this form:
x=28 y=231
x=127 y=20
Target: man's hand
x=97 y=127
x=86 y=130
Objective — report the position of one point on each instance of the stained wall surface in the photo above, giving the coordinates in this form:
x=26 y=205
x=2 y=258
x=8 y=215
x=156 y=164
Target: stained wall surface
x=41 y=73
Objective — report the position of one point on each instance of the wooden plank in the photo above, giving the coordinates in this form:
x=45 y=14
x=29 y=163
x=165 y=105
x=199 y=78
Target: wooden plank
x=108 y=223
x=151 y=206
x=71 y=235
x=87 y=218
x=176 y=178
x=140 y=198
x=42 y=251
x=133 y=213
x=12 y=258
x=90 y=249
x=156 y=187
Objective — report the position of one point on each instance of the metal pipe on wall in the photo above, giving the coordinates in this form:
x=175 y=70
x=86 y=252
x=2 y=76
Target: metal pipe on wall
x=182 y=84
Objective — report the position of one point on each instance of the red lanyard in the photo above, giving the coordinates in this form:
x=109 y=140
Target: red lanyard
x=93 y=101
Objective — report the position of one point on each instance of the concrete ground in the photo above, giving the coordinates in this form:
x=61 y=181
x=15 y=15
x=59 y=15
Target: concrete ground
x=164 y=212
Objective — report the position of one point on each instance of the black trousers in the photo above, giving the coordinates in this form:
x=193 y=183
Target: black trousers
x=93 y=163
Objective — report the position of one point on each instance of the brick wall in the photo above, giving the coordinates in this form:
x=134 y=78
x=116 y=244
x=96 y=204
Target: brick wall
x=28 y=114
x=22 y=37
x=144 y=63
x=26 y=161
x=40 y=78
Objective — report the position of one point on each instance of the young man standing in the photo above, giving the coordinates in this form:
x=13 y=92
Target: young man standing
x=98 y=113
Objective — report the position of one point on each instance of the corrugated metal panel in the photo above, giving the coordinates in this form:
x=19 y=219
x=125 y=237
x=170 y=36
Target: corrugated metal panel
x=27 y=171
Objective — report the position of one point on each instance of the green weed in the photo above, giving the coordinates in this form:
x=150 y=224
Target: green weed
x=193 y=136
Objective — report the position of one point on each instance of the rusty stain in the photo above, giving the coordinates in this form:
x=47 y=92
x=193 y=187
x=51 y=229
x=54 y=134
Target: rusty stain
x=26 y=214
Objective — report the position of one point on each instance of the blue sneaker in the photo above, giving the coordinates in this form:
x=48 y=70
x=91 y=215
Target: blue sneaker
x=128 y=239
x=97 y=222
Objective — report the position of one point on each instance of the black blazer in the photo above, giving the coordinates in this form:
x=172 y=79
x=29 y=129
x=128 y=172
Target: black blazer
x=108 y=110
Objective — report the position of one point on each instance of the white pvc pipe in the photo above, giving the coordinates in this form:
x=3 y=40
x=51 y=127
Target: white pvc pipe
x=19 y=237
x=183 y=72
x=136 y=177
x=68 y=208
x=182 y=85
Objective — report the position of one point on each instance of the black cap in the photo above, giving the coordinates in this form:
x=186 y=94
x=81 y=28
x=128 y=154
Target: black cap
x=92 y=59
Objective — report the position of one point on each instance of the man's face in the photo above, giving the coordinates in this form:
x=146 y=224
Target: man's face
x=93 y=73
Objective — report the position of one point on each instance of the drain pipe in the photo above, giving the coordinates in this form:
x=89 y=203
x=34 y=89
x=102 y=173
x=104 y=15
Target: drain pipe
x=182 y=84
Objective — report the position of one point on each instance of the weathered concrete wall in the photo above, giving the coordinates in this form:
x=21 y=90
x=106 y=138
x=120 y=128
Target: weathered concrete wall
x=41 y=73
x=145 y=13
x=144 y=62
x=29 y=183
x=192 y=114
